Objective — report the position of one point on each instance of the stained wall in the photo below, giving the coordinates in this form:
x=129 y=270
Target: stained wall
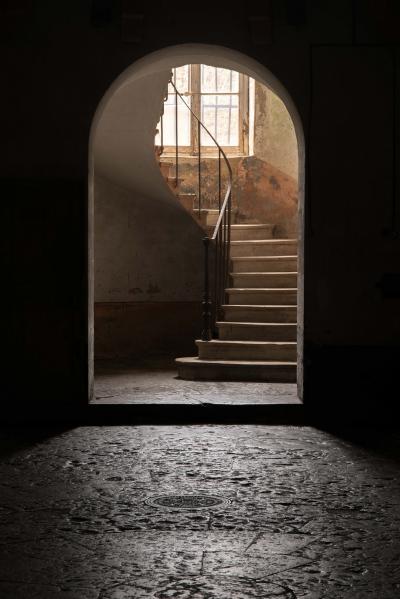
x=265 y=182
x=147 y=276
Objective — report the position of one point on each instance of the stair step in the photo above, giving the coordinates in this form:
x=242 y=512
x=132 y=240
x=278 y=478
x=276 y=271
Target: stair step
x=257 y=331
x=264 y=264
x=260 y=313
x=194 y=369
x=264 y=279
x=251 y=232
x=265 y=247
x=208 y=216
x=165 y=168
x=173 y=183
x=247 y=350
x=284 y=296
x=187 y=200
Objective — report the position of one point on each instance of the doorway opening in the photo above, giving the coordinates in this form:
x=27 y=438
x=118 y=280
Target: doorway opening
x=147 y=262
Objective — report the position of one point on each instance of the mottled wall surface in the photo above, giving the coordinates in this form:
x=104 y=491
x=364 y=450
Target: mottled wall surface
x=265 y=188
x=141 y=330
x=274 y=135
x=148 y=266
x=266 y=195
x=143 y=250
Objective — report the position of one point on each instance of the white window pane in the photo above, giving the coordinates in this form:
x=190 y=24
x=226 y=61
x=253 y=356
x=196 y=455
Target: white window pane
x=208 y=78
x=215 y=79
x=227 y=127
x=209 y=120
x=171 y=96
x=227 y=81
x=181 y=80
x=220 y=114
x=183 y=125
x=226 y=101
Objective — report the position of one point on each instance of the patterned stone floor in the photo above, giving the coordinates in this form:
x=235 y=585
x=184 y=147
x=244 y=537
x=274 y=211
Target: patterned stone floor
x=307 y=514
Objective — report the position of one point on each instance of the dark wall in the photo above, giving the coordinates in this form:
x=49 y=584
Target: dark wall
x=339 y=61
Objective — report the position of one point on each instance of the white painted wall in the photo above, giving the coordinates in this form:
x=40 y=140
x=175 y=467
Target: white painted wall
x=123 y=144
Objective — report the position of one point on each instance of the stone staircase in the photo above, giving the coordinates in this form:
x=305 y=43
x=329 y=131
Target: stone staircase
x=257 y=334
x=258 y=329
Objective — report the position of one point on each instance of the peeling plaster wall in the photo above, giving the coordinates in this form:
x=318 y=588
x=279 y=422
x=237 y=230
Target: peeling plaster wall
x=274 y=135
x=265 y=187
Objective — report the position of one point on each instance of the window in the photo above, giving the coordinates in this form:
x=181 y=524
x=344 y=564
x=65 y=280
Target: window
x=220 y=97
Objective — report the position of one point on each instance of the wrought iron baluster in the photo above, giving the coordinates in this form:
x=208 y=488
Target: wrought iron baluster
x=221 y=237
x=219 y=180
x=216 y=278
x=206 y=334
x=199 y=164
x=224 y=256
x=176 y=133
x=228 y=247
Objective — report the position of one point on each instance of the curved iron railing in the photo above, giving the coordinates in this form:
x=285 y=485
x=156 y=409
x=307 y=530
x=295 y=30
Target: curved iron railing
x=221 y=237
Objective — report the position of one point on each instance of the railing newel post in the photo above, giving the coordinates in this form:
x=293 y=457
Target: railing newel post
x=215 y=294
x=219 y=180
x=206 y=334
x=224 y=256
x=176 y=135
x=199 y=164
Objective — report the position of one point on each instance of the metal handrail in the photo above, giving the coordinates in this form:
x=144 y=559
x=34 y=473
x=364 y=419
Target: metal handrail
x=221 y=151
x=221 y=236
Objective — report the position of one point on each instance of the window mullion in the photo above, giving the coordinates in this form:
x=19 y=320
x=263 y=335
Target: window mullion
x=244 y=113
x=196 y=104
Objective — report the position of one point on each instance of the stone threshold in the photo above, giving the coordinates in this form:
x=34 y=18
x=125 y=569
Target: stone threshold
x=205 y=413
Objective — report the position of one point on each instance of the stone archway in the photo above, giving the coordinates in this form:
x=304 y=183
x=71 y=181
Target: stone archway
x=151 y=73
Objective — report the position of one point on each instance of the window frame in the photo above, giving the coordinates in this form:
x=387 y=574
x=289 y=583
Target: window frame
x=242 y=149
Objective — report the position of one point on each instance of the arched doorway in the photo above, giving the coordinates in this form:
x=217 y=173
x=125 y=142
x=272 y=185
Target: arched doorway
x=149 y=77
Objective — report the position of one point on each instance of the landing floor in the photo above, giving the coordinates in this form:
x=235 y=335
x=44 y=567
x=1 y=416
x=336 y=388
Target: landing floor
x=306 y=514
x=159 y=384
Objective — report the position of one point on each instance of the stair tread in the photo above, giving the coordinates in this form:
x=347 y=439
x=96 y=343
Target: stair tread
x=268 y=241
x=263 y=273
x=257 y=363
x=260 y=306
x=260 y=258
x=255 y=324
x=258 y=289
x=236 y=343
x=251 y=226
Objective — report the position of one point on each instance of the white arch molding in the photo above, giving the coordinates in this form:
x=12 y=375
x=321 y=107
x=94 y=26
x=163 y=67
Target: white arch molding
x=155 y=67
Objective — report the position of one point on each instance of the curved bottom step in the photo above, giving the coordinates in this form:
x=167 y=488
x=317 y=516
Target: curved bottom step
x=194 y=369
